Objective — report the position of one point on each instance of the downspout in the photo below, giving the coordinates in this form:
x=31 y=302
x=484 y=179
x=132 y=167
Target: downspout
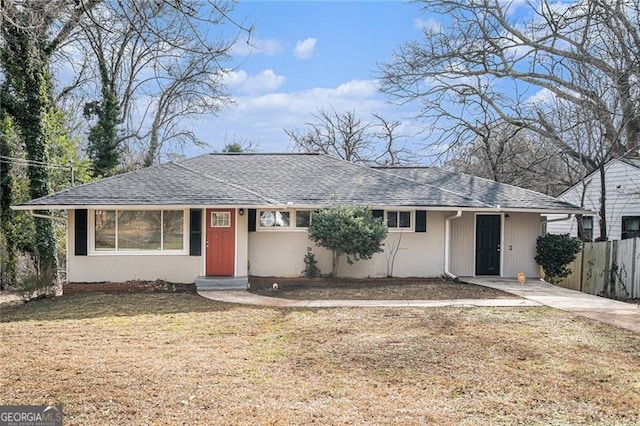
x=447 y=243
x=47 y=216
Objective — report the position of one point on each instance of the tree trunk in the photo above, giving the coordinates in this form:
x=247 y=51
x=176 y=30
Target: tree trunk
x=603 y=204
x=8 y=263
x=336 y=262
x=25 y=68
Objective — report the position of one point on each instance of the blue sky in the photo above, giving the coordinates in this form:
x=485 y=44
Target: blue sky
x=307 y=55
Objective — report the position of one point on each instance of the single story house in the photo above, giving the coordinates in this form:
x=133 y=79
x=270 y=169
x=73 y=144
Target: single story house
x=240 y=215
x=622 y=203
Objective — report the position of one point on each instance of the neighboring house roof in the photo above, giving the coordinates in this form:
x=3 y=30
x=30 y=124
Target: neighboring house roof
x=631 y=161
x=296 y=180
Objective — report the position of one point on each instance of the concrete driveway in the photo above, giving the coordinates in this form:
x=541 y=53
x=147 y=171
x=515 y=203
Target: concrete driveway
x=620 y=314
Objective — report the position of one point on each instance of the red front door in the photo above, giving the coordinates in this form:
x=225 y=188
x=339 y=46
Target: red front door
x=221 y=241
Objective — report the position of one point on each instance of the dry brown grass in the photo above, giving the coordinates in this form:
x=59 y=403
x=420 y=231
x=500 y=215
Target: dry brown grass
x=375 y=289
x=182 y=359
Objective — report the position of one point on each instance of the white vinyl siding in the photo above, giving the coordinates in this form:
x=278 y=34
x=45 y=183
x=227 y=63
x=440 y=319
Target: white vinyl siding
x=623 y=199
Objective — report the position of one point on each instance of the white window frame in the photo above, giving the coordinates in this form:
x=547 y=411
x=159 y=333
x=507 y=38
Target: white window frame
x=275 y=228
x=292 y=221
x=295 y=222
x=116 y=252
x=412 y=219
x=228 y=225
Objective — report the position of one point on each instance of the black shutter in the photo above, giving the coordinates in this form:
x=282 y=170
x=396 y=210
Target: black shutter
x=421 y=221
x=251 y=220
x=80 y=232
x=195 y=232
x=378 y=213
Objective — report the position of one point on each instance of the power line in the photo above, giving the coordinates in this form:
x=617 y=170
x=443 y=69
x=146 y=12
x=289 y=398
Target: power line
x=25 y=162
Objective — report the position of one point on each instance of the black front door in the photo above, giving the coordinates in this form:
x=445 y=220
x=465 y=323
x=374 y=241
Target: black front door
x=488 y=244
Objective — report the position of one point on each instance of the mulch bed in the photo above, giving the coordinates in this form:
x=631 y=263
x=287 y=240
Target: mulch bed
x=372 y=289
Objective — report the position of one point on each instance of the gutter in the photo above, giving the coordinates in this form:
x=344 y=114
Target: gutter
x=560 y=219
x=447 y=238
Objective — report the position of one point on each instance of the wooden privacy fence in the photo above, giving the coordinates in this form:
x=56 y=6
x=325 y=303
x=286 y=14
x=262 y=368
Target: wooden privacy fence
x=607 y=268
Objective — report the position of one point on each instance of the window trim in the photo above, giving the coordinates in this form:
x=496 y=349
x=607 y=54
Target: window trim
x=622 y=230
x=412 y=219
x=228 y=225
x=115 y=252
x=292 y=221
x=586 y=237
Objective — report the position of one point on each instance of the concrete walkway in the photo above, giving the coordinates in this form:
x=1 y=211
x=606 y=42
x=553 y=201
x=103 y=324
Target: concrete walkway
x=533 y=293
x=620 y=314
x=246 y=298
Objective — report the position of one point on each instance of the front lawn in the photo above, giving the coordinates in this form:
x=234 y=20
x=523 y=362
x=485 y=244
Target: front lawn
x=182 y=359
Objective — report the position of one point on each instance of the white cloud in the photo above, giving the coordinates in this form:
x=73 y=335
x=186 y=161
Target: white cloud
x=429 y=25
x=304 y=48
x=541 y=97
x=261 y=118
x=268 y=47
x=263 y=82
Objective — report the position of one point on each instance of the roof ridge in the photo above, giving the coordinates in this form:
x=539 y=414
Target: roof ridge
x=500 y=183
x=267 y=199
x=256 y=153
x=433 y=186
x=476 y=177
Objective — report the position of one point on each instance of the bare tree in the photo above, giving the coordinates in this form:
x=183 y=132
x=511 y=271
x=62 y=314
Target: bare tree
x=36 y=36
x=341 y=135
x=526 y=68
x=163 y=64
x=345 y=135
x=517 y=157
x=392 y=153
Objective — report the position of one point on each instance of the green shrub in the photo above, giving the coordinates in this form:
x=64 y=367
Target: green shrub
x=348 y=230
x=554 y=253
x=311 y=269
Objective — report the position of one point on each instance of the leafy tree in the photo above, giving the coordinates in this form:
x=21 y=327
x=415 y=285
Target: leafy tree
x=232 y=147
x=554 y=253
x=348 y=230
x=104 y=148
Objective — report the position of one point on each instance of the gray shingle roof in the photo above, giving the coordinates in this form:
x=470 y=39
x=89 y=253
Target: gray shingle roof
x=483 y=190
x=294 y=179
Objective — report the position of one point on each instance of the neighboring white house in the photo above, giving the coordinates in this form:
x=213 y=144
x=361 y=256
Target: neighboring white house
x=238 y=215
x=622 y=183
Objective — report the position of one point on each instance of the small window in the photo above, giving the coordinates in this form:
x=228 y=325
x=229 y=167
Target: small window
x=274 y=219
x=587 y=228
x=220 y=219
x=630 y=227
x=303 y=218
x=399 y=219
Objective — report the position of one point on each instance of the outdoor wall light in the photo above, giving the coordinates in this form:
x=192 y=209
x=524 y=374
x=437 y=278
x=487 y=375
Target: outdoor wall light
x=507 y=216
x=241 y=212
